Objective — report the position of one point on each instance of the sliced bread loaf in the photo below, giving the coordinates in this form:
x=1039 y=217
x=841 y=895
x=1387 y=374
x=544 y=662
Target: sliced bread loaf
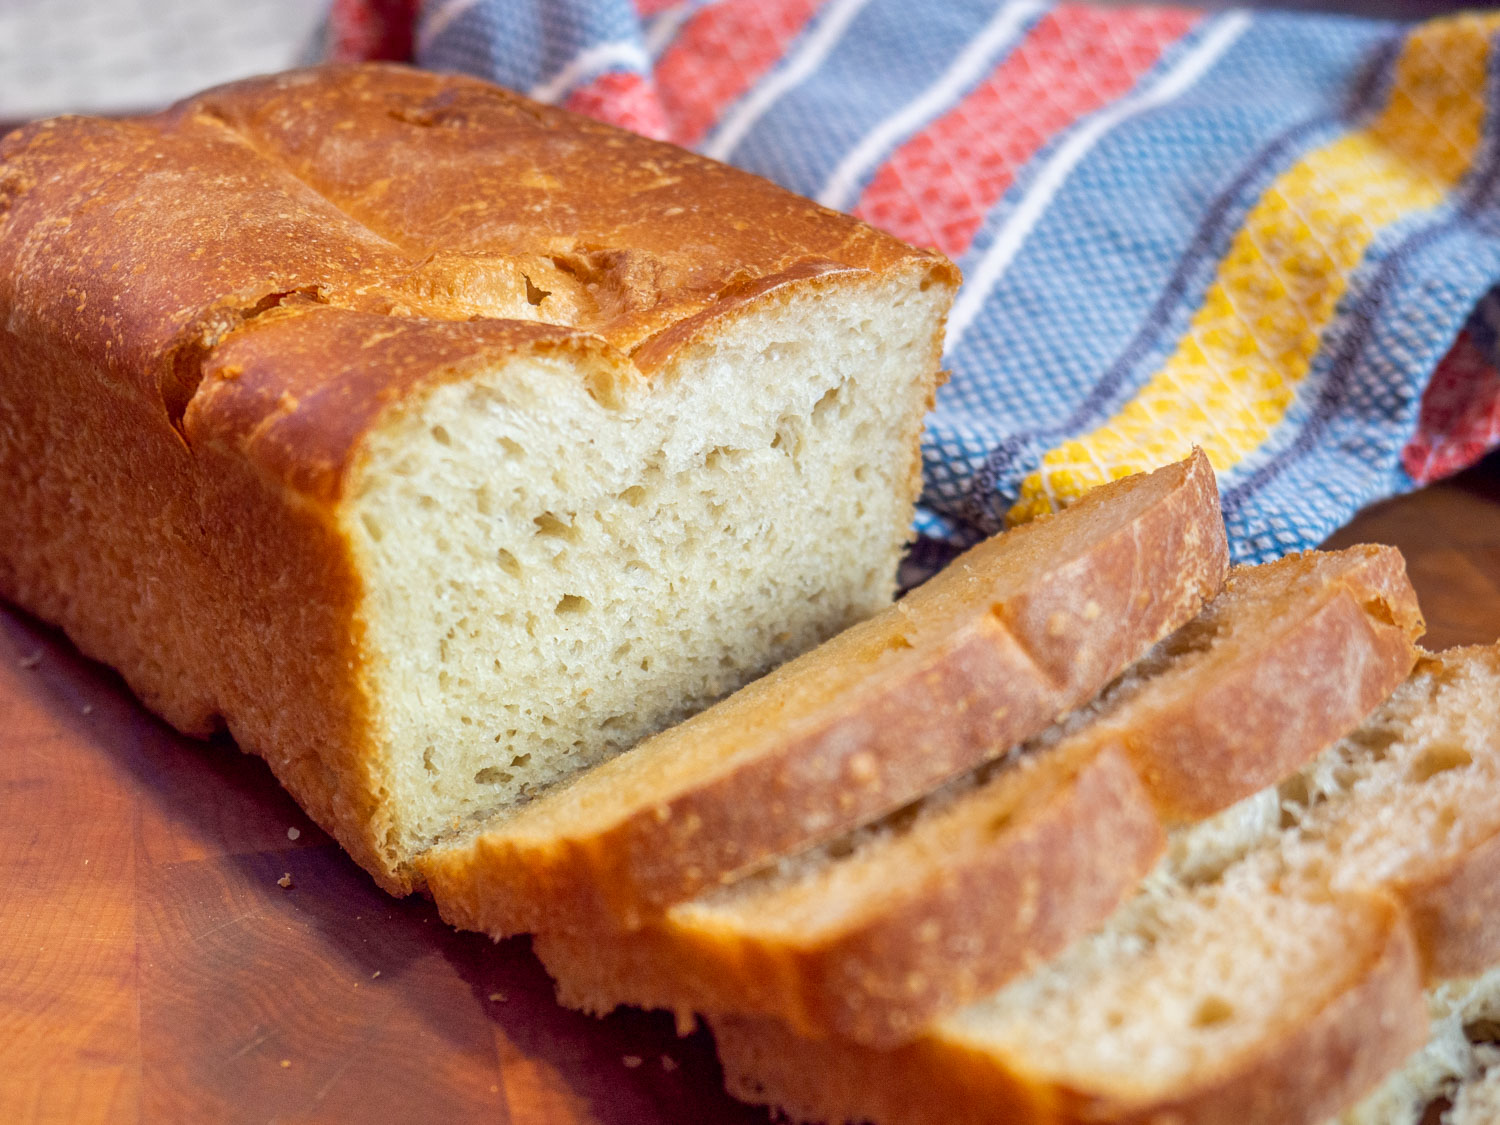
x=1403 y=811
x=436 y=442
x=873 y=935
x=1014 y=633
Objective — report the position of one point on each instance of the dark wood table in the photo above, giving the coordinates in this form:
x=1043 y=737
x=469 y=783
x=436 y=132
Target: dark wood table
x=152 y=968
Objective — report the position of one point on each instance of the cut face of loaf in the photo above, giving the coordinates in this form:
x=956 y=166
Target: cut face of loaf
x=1232 y=1002
x=873 y=935
x=436 y=443
x=551 y=577
x=1012 y=634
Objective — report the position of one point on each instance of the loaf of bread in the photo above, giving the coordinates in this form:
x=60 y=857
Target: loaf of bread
x=436 y=443
x=1017 y=631
x=873 y=935
x=1270 y=970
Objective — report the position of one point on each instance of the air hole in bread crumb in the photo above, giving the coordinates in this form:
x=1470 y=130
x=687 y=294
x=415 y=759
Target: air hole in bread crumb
x=520 y=759
x=635 y=496
x=510 y=565
x=492 y=775
x=549 y=524
x=722 y=456
x=372 y=527
x=788 y=439
x=484 y=500
x=573 y=603
x=825 y=405
x=427 y=761
x=441 y=435
x=1439 y=758
x=1213 y=1011
x=512 y=447
x=1376 y=742
x=1483 y=1031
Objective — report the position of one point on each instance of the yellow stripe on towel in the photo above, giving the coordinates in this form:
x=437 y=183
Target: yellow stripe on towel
x=1235 y=371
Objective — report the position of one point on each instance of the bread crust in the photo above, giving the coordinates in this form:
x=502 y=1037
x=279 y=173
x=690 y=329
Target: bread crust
x=1022 y=874
x=1299 y=1076
x=956 y=919
x=208 y=311
x=1455 y=913
x=993 y=680
x=1308 y=685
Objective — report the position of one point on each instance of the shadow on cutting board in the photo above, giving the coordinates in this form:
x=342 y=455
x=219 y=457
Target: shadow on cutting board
x=174 y=973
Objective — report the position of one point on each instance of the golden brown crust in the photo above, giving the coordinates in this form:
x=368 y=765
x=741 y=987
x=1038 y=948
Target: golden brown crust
x=1307 y=685
x=191 y=574
x=991 y=681
x=296 y=390
x=140 y=244
x=207 y=310
x=1455 y=912
x=1375 y=1015
x=1024 y=870
x=966 y=905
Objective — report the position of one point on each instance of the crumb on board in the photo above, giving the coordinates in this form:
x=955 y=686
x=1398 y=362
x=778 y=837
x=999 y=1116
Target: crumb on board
x=87 y=708
x=285 y=880
x=375 y=974
x=31 y=660
x=668 y=1063
x=497 y=997
x=631 y=1061
x=285 y=1063
x=293 y=833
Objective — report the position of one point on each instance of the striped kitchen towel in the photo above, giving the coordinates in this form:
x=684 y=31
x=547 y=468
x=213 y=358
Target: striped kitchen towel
x=1268 y=234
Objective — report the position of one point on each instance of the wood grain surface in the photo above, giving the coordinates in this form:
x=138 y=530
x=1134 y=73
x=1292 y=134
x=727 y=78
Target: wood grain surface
x=153 y=967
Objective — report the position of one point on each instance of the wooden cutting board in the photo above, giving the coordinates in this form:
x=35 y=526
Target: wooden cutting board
x=154 y=968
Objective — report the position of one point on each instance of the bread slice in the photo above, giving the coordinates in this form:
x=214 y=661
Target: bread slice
x=1413 y=801
x=438 y=443
x=873 y=935
x=1401 y=811
x=1015 y=632
x=1459 y=1063
x=1409 y=803
x=1231 y=1002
